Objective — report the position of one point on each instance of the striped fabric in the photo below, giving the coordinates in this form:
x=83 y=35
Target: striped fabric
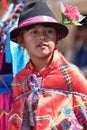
x=5 y=106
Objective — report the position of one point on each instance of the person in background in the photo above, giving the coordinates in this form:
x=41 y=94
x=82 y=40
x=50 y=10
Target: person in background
x=50 y=92
x=6 y=77
x=80 y=53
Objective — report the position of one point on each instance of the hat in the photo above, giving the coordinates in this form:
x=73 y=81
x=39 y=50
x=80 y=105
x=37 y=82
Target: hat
x=37 y=13
x=83 y=22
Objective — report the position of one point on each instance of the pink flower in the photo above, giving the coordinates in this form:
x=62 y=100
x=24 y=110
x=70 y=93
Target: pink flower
x=72 y=13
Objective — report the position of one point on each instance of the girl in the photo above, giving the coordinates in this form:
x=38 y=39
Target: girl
x=50 y=93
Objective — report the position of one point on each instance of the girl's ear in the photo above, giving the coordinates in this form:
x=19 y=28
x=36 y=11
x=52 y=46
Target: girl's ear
x=21 y=41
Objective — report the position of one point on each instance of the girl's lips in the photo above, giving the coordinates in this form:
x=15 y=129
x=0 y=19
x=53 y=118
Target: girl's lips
x=42 y=44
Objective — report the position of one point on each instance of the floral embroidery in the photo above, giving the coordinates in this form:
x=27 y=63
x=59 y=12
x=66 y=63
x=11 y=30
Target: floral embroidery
x=65 y=125
x=67 y=111
x=76 y=128
x=81 y=107
x=74 y=121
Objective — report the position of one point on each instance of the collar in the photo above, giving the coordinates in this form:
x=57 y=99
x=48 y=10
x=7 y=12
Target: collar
x=46 y=70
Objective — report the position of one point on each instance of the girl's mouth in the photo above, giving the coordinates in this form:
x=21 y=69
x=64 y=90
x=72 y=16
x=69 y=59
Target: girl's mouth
x=42 y=44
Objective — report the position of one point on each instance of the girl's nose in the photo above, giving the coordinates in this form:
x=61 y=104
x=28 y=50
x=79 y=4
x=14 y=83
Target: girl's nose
x=42 y=35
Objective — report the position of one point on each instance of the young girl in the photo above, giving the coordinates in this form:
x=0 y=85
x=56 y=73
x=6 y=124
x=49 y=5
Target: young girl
x=50 y=93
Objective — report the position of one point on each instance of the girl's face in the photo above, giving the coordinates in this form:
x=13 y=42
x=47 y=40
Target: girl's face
x=40 y=41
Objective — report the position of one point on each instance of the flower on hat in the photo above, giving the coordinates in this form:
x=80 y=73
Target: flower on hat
x=71 y=15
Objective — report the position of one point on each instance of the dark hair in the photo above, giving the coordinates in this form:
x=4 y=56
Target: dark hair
x=44 y=24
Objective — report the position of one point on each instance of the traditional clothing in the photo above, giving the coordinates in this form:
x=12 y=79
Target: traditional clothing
x=6 y=95
x=61 y=93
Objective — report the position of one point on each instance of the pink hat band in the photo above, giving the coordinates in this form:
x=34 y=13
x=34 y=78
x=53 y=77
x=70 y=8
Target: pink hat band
x=37 y=19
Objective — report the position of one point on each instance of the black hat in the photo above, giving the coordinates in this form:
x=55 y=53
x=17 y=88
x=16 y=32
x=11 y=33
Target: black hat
x=38 y=13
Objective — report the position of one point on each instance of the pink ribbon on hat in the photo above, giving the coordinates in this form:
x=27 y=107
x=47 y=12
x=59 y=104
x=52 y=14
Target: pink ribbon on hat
x=36 y=20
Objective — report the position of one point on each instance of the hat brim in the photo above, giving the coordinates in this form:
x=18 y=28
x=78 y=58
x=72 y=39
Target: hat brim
x=62 y=30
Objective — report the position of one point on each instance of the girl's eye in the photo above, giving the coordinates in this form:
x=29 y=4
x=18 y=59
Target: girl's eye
x=33 y=32
x=50 y=31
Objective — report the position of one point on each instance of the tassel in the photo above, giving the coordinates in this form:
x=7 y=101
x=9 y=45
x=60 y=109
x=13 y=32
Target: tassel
x=8 y=55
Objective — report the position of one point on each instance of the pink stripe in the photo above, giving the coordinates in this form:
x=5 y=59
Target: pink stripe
x=37 y=19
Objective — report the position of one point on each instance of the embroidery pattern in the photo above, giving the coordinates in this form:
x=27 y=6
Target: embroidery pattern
x=64 y=71
x=73 y=116
x=67 y=111
x=15 y=116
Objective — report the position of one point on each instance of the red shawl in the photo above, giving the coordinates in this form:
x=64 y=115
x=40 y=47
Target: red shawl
x=62 y=103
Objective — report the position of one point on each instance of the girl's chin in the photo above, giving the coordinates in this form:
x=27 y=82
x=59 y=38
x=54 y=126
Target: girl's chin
x=44 y=55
